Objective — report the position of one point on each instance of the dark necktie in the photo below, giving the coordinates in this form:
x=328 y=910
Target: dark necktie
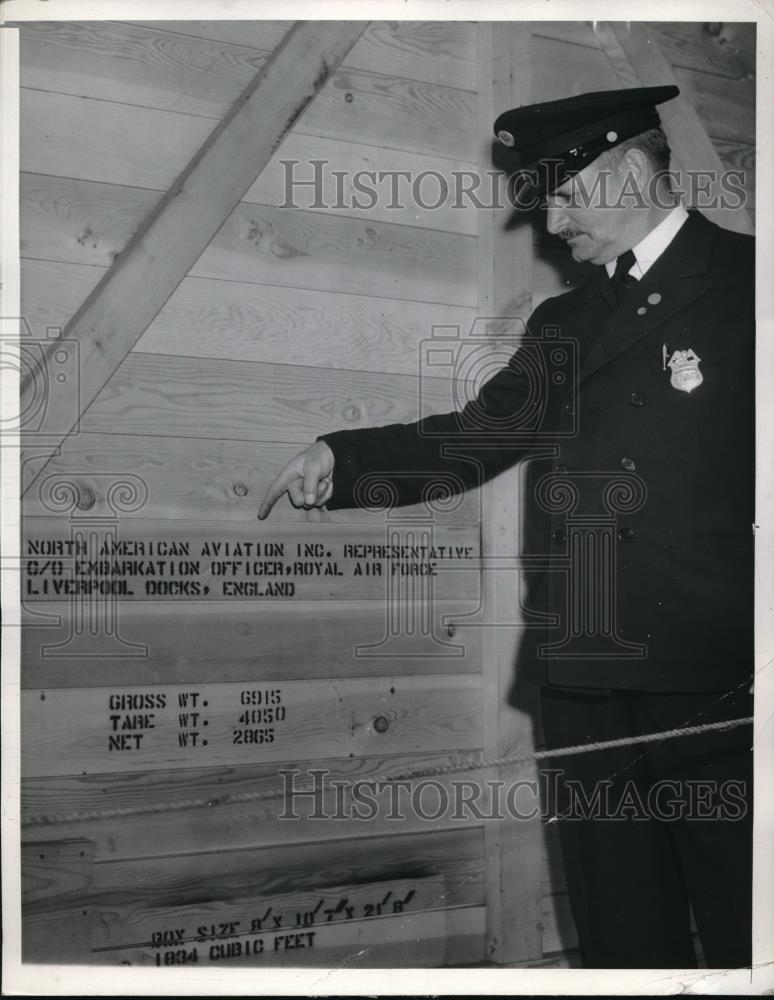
x=622 y=281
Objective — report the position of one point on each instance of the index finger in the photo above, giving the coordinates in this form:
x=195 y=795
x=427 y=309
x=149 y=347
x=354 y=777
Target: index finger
x=275 y=490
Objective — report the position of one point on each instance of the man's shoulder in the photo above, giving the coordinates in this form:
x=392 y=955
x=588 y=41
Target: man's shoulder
x=702 y=245
x=733 y=252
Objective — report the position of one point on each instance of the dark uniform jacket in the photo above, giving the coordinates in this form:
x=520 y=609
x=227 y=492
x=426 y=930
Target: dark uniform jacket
x=640 y=495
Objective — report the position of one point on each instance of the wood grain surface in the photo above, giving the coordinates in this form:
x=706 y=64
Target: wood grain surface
x=203 y=398
x=136 y=65
x=163 y=642
x=75 y=730
x=85 y=223
x=440 y=52
x=146 y=148
x=222 y=480
x=256 y=323
x=230 y=823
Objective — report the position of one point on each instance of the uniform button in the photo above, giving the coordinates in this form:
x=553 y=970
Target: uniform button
x=561 y=468
x=626 y=534
x=637 y=399
x=628 y=464
x=560 y=537
x=568 y=409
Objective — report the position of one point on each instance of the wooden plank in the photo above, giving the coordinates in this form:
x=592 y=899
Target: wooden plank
x=575 y=32
x=441 y=52
x=562 y=69
x=158 y=858
x=740 y=156
x=726 y=107
x=512 y=847
x=51 y=871
x=188 y=478
x=257 y=33
x=442 y=937
x=259 y=323
x=80 y=222
x=687 y=134
x=691 y=45
x=144 y=148
x=168 y=643
x=159 y=255
x=725 y=104
x=56 y=870
x=135 y=65
x=85 y=223
x=294 y=326
x=61 y=938
x=223 y=822
x=120 y=927
x=453 y=856
x=351 y=879
x=85 y=730
x=402 y=114
x=132 y=64
x=61 y=134
x=139 y=559
x=414 y=202
x=310 y=250
x=191 y=397
x=183 y=879
x=619 y=58
x=435 y=938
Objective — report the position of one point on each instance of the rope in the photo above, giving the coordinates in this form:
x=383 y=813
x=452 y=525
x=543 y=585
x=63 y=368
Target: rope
x=427 y=772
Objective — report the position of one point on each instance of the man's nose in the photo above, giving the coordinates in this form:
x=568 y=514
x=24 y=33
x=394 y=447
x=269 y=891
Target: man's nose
x=556 y=220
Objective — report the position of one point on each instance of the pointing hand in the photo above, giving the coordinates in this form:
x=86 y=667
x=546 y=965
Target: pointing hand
x=307 y=479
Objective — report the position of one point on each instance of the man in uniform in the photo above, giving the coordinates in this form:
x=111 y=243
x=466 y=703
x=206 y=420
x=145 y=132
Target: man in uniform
x=647 y=625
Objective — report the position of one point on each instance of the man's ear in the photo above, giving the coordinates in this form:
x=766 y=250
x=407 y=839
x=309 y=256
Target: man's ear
x=637 y=165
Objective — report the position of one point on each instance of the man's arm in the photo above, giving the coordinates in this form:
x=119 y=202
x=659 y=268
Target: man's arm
x=451 y=451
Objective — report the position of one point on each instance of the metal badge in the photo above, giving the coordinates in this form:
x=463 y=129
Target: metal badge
x=685 y=370
x=506 y=138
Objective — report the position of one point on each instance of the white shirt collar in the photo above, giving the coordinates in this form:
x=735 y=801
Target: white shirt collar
x=655 y=243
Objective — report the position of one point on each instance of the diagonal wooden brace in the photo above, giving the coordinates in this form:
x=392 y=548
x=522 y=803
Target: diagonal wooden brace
x=159 y=255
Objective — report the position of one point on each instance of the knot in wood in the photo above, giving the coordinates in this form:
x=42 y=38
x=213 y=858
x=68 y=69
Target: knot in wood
x=86 y=497
x=381 y=723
